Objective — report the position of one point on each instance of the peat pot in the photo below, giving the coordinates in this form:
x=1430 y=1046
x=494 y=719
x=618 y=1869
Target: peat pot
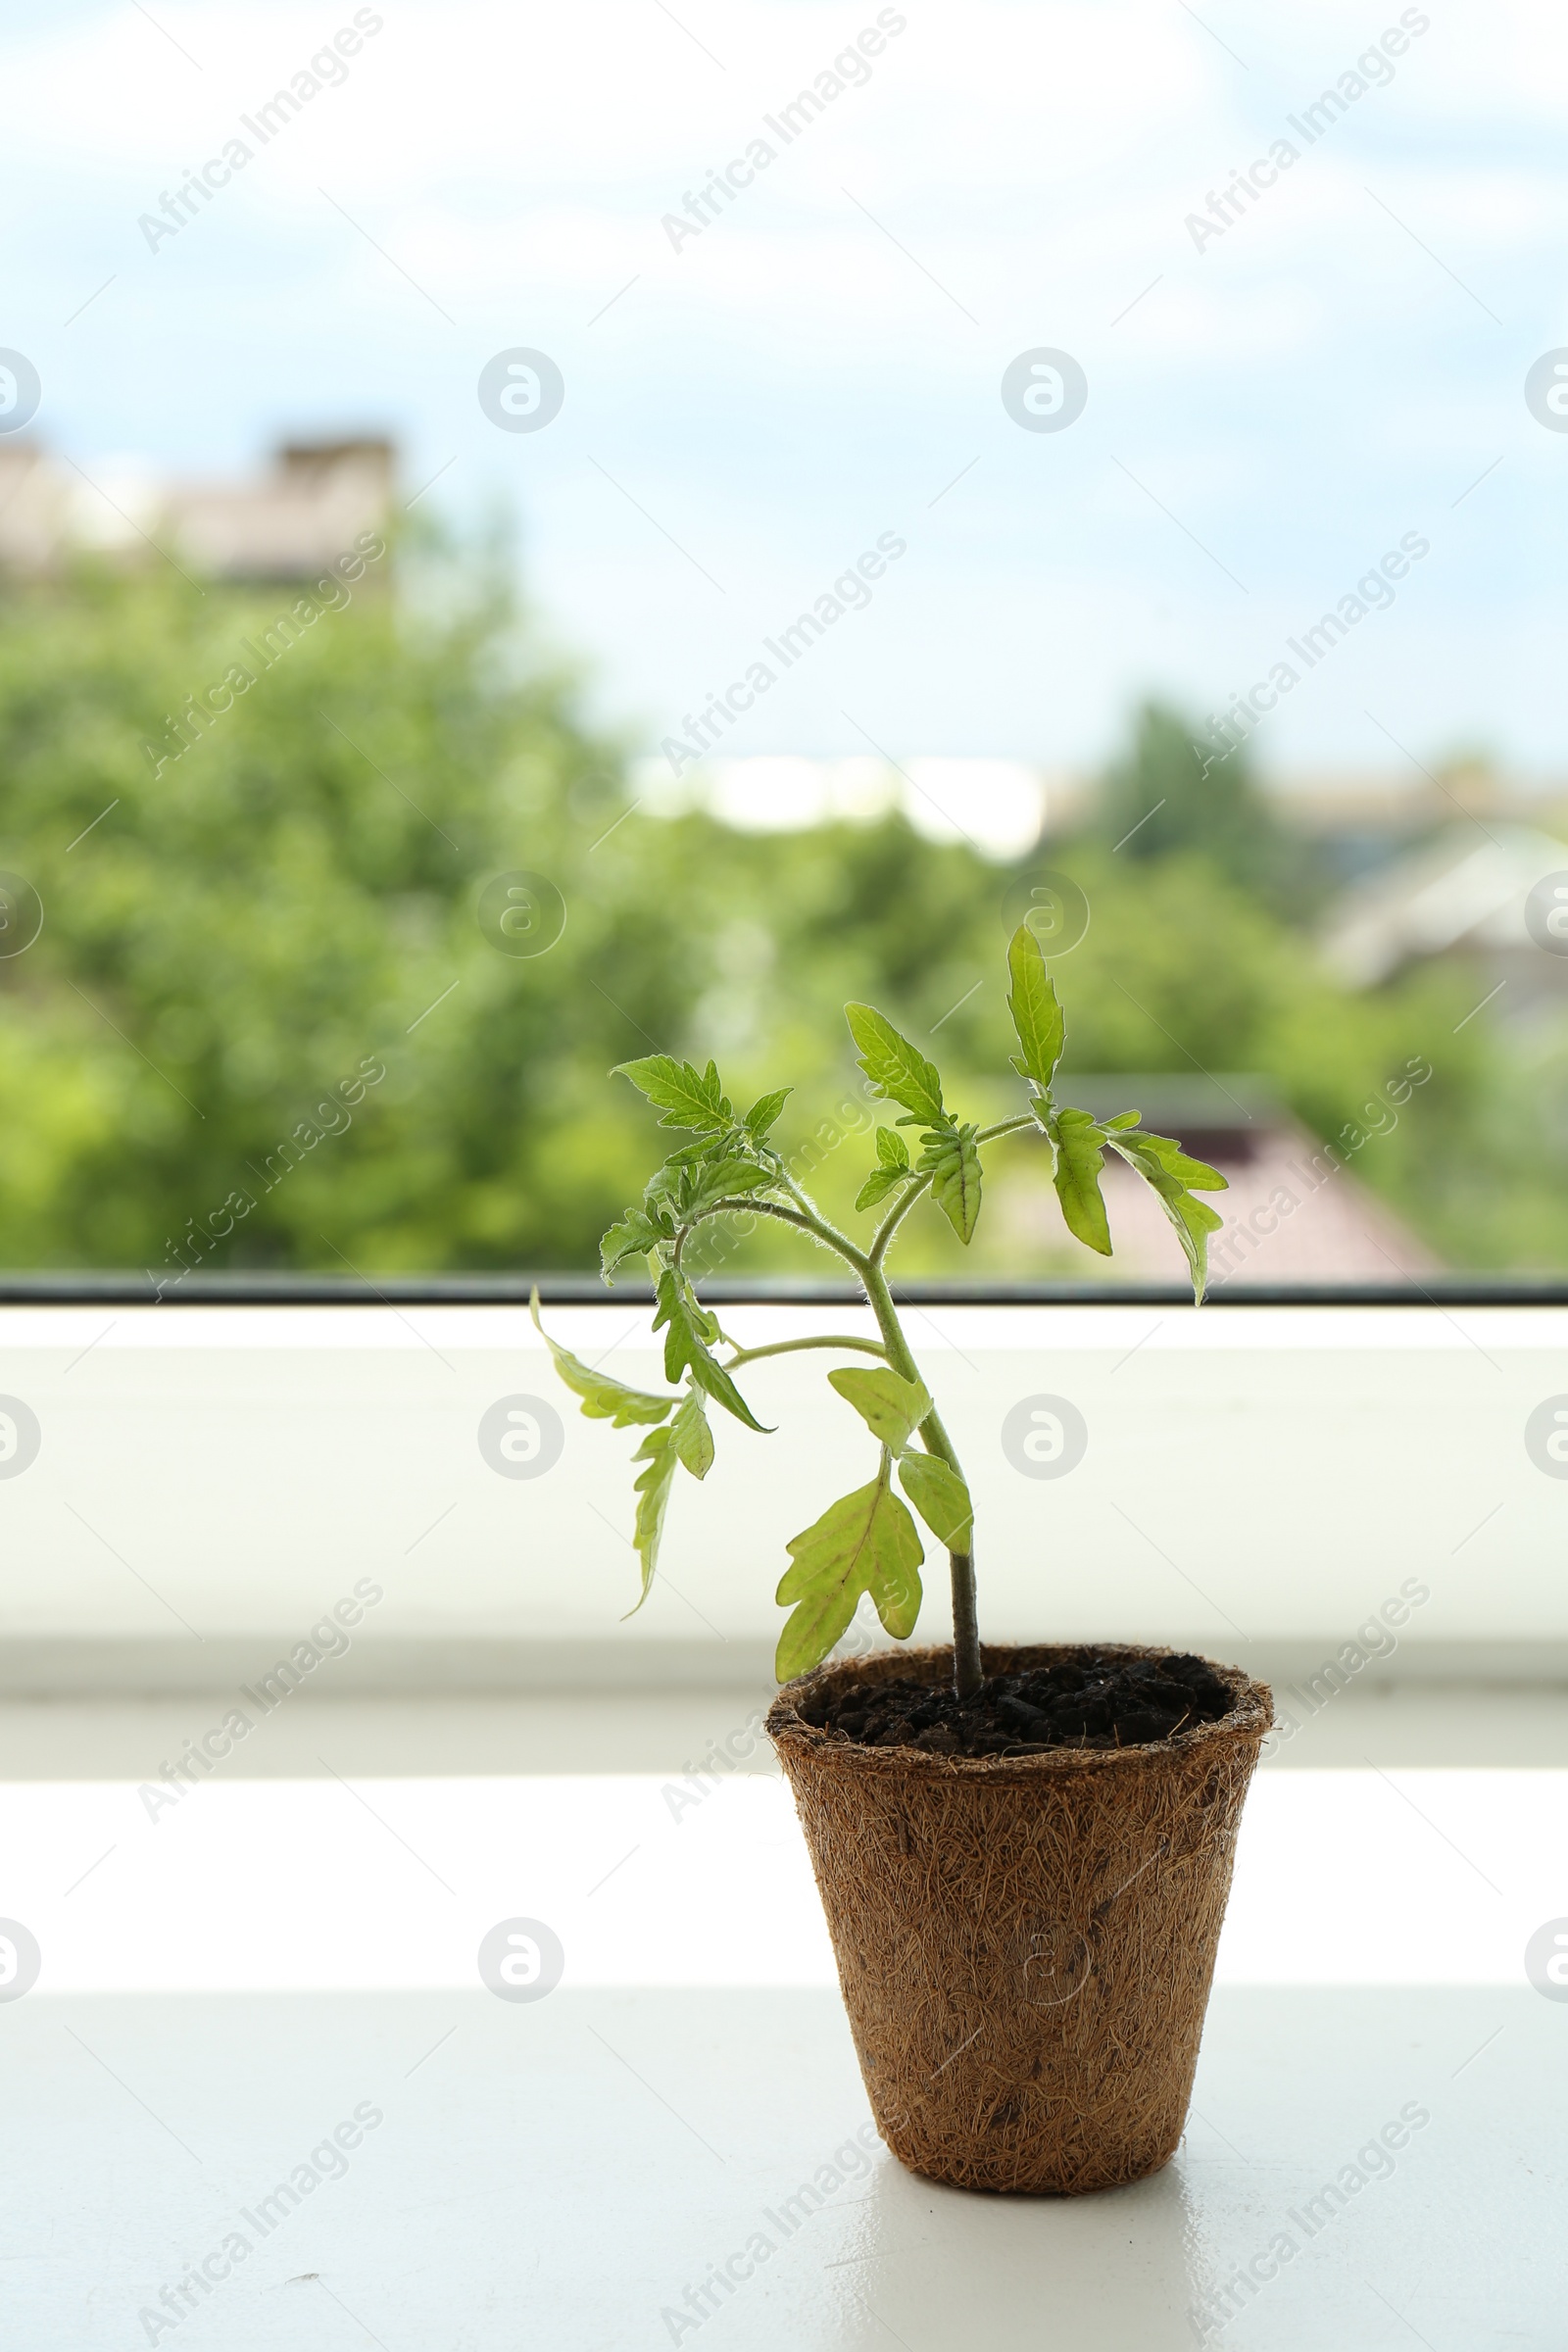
x=1025 y=1943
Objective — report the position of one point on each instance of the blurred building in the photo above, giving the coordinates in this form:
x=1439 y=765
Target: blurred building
x=1495 y=899
x=287 y=523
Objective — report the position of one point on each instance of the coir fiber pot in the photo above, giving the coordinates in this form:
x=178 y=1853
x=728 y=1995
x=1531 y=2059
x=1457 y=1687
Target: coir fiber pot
x=1025 y=1943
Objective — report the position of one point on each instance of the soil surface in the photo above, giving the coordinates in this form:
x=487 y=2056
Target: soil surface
x=1081 y=1702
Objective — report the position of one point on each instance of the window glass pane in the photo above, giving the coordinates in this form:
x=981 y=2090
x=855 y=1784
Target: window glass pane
x=526 y=543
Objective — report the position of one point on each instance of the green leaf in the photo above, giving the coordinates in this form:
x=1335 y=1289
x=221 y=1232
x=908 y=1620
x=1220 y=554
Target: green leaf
x=1080 y=1156
x=693 y=1439
x=687 y=1096
x=657 y=1451
x=1195 y=1174
x=1172 y=1175
x=603 y=1399
x=686 y=1340
x=1037 y=1016
x=954 y=1159
x=896 y=1069
x=889 y=1405
x=893 y=1165
x=865 y=1543
x=765 y=1109
x=716 y=1182
x=941 y=1498
x=634 y=1237
x=878 y=1185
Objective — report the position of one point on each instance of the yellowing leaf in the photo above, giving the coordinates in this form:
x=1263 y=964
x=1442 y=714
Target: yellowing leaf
x=890 y=1405
x=865 y=1543
x=941 y=1498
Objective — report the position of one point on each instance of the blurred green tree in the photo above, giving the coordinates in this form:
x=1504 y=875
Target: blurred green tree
x=1172 y=792
x=268 y=1021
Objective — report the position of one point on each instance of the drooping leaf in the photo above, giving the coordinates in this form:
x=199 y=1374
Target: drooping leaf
x=765 y=1109
x=1037 y=1016
x=896 y=1069
x=1176 y=1178
x=689 y=1329
x=634 y=1237
x=686 y=1095
x=1080 y=1145
x=692 y=1438
x=941 y=1498
x=953 y=1160
x=657 y=1453
x=865 y=1543
x=603 y=1399
x=891 y=1406
x=1195 y=1174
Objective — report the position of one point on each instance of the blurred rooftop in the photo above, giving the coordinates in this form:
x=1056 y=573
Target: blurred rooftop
x=287 y=523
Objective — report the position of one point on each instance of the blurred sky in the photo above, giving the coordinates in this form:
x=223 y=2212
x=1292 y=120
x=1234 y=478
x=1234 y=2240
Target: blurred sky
x=1267 y=417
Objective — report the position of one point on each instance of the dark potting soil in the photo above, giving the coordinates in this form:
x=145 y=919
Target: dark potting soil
x=1081 y=1702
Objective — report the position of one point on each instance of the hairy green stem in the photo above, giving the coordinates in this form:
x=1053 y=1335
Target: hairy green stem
x=1013 y=1126
x=894 y=1218
x=967 y=1671
x=807 y=1221
x=895 y=1349
x=751 y=1355
x=912 y=1191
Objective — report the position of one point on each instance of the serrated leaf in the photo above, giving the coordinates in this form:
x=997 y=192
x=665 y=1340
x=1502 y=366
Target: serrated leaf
x=1195 y=1174
x=634 y=1237
x=1080 y=1142
x=1172 y=1174
x=890 y=1405
x=603 y=1399
x=690 y=1329
x=716 y=1181
x=865 y=1543
x=1037 y=1016
x=657 y=1453
x=941 y=1498
x=692 y=1438
x=896 y=1069
x=765 y=1109
x=878 y=1185
x=953 y=1160
x=891 y=1151
x=686 y=1095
